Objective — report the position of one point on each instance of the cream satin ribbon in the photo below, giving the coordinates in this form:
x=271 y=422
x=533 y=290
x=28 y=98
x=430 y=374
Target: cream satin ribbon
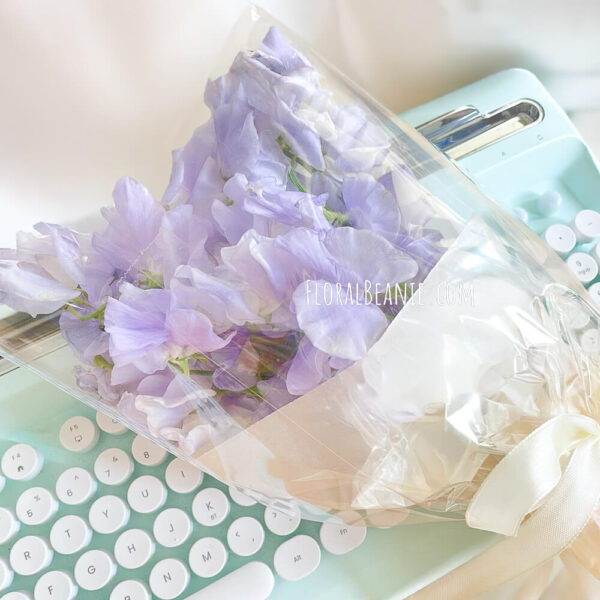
x=531 y=478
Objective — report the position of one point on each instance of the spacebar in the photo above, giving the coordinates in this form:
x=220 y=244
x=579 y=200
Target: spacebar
x=253 y=581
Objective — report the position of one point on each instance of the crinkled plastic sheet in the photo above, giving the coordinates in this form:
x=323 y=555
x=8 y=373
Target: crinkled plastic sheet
x=379 y=412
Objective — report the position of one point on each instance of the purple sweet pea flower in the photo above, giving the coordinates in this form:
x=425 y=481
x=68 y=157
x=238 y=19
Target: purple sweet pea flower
x=85 y=337
x=96 y=381
x=309 y=367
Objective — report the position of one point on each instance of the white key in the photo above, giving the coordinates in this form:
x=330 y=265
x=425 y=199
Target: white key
x=70 y=534
x=78 y=434
x=587 y=225
x=583 y=265
x=575 y=316
x=6 y=575
x=133 y=548
x=297 y=558
x=183 y=477
x=240 y=497
x=110 y=425
x=108 y=514
x=16 y=596
x=75 y=486
x=339 y=538
x=8 y=525
x=2 y=482
x=245 y=536
x=22 y=462
x=561 y=238
x=29 y=555
x=210 y=507
x=172 y=527
x=94 y=569
x=594 y=291
x=147 y=453
x=253 y=581
x=113 y=467
x=36 y=506
x=55 y=585
x=168 y=578
x=281 y=523
x=146 y=494
x=207 y=557
x=130 y=589
x=590 y=341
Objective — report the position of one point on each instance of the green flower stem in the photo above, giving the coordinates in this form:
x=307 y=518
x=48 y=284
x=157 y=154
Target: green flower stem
x=294 y=179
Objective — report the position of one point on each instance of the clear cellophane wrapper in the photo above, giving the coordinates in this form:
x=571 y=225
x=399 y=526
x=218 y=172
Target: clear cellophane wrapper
x=301 y=384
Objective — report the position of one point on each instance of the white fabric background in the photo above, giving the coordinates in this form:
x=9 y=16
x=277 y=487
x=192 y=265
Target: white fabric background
x=91 y=90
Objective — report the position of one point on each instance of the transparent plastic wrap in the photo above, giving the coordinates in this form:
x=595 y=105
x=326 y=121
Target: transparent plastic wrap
x=321 y=309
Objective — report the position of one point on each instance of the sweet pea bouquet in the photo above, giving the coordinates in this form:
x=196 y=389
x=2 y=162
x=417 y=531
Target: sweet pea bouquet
x=320 y=308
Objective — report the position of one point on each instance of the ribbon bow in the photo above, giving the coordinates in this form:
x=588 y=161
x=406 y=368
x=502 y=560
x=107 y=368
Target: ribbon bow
x=536 y=477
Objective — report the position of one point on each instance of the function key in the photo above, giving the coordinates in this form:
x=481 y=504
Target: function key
x=8 y=525
x=36 y=506
x=183 y=477
x=108 y=514
x=94 y=569
x=210 y=507
x=75 y=486
x=168 y=578
x=147 y=453
x=207 y=557
x=281 y=523
x=70 y=534
x=297 y=558
x=113 y=466
x=110 y=425
x=549 y=203
x=146 y=494
x=587 y=225
x=53 y=585
x=29 y=555
x=584 y=266
x=21 y=462
x=78 y=434
x=339 y=538
x=561 y=238
x=130 y=589
x=133 y=548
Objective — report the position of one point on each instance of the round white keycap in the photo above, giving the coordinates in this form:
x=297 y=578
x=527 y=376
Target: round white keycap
x=21 y=462
x=133 y=548
x=245 y=536
x=108 y=514
x=6 y=575
x=182 y=477
x=281 y=523
x=590 y=341
x=2 y=482
x=587 y=225
x=70 y=534
x=339 y=538
x=549 y=203
x=113 y=466
x=16 y=596
x=297 y=558
x=8 y=525
x=583 y=265
x=560 y=238
x=55 y=585
x=168 y=579
x=130 y=589
x=29 y=555
x=207 y=557
x=594 y=291
x=36 y=506
x=110 y=425
x=147 y=453
x=146 y=494
x=210 y=507
x=78 y=434
x=94 y=569
x=240 y=497
x=172 y=527
x=75 y=486
x=575 y=316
